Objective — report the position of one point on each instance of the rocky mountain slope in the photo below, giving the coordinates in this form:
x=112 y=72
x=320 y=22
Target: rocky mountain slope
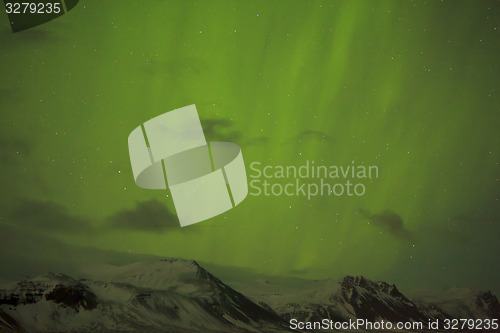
x=163 y=296
x=358 y=297
x=174 y=295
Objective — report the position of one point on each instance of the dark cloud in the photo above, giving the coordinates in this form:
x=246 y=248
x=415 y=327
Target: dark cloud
x=47 y=216
x=222 y=130
x=149 y=215
x=30 y=253
x=219 y=130
x=391 y=222
x=311 y=135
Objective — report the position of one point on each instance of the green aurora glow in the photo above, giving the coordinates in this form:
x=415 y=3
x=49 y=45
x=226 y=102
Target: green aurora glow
x=409 y=86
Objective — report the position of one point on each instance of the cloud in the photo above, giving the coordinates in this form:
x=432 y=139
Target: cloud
x=47 y=216
x=25 y=252
x=218 y=129
x=311 y=135
x=391 y=222
x=149 y=215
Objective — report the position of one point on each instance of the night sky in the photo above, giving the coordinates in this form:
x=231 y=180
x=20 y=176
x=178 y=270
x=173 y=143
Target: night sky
x=412 y=87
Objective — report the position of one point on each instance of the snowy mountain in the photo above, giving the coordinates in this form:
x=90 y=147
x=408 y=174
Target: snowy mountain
x=458 y=303
x=350 y=298
x=173 y=295
x=163 y=296
x=358 y=297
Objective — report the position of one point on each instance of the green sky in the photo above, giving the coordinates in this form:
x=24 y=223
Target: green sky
x=409 y=86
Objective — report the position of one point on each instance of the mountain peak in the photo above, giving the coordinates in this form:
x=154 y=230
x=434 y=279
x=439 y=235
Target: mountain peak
x=488 y=302
x=178 y=295
x=350 y=282
x=173 y=295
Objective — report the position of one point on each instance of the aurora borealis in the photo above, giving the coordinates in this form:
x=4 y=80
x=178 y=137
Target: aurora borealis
x=409 y=86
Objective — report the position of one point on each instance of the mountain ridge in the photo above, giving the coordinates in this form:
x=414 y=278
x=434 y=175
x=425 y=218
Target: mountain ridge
x=177 y=295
